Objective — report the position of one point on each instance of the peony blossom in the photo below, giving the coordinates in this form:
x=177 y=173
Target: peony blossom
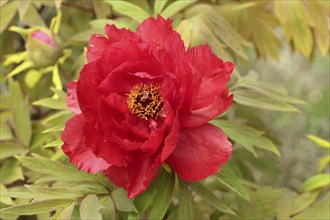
x=143 y=100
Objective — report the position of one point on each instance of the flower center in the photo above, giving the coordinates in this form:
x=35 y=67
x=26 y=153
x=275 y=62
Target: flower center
x=145 y=101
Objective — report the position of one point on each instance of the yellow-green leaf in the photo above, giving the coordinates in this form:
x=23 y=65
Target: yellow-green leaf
x=90 y=208
x=319 y=141
x=315 y=182
x=7 y=14
x=175 y=7
x=129 y=9
x=36 y=207
x=229 y=179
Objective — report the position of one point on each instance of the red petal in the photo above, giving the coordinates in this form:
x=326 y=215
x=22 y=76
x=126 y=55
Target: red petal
x=71 y=99
x=88 y=97
x=114 y=34
x=97 y=45
x=206 y=114
x=200 y=152
x=75 y=147
x=209 y=87
x=172 y=139
x=136 y=177
x=160 y=32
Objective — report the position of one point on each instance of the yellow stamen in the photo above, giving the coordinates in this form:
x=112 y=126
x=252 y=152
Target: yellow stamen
x=145 y=101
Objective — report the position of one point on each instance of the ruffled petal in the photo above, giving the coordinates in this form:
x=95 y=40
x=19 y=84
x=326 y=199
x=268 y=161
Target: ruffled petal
x=71 y=99
x=75 y=147
x=171 y=139
x=115 y=34
x=97 y=45
x=136 y=177
x=160 y=33
x=206 y=114
x=88 y=97
x=110 y=151
x=200 y=152
x=210 y=76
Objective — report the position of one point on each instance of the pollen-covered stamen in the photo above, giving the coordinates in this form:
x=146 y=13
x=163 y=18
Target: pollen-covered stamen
x=145 y=101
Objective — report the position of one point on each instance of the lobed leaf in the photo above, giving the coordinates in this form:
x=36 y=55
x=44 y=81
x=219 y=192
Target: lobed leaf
x=122 y=202
x=90 y=208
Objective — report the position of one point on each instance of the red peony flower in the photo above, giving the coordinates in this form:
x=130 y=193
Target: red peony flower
x=143 y=100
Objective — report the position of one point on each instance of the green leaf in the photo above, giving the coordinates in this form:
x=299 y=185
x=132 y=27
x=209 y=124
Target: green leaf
x=32 y=77
x=101 y=10
x=159 y=6
x=129 y=9
x=36 y=207
x=56 y=143
x=144 y=200
x=319 y=141
x=51 y=103
x=165 y=189
x=57 y=115
x=23 y=7
x=185 y=31
x=53 y=193
x=250 y=81
x=228 y=178
x=121 y=201
x=64 y=214
x=55 y=169
x=175 y=7
x=303 y=201
x=84 y=36
x=21 y=114
x=285 y=204
x=121 y=22
x=7 y=14
x=5 y=200
x=246 y=136
x=9 y=149
x=133 y=216
x=318 y=211
x=315 y=182
x=321 y=30
x=5 y=131
x=90 y=208
x=187 y=206
x=32 y=17
x=44 y=193
x=109 y=211
x=258 y=29
x=324 y=161
x=221 y=29
x=10 y=171
x=257 y=100
x=209 y=197
x=296 y=23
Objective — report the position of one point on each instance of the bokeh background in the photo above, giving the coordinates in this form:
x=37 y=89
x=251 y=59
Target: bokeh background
x=281 y=85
